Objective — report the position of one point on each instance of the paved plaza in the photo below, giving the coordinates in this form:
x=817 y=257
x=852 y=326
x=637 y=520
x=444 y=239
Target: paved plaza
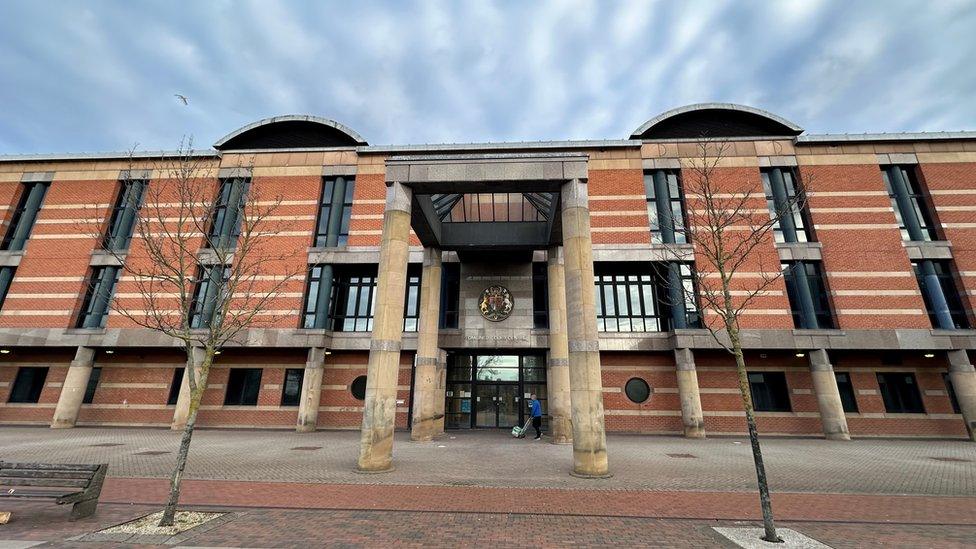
x=284 y=489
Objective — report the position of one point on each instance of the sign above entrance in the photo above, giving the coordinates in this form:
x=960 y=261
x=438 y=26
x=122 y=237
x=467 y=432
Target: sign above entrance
x=496 y=303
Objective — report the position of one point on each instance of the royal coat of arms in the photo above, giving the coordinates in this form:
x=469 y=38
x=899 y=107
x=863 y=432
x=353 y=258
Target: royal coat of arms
x=496 y=303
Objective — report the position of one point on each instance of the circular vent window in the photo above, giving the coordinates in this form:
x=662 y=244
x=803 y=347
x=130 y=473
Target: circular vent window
x=637 y=390
x=358 y=388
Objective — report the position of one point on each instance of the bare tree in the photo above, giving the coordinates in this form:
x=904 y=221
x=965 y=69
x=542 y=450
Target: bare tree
x=201 y=268
x=729 y=226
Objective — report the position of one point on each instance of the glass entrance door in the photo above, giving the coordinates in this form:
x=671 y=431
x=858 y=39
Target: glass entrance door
x=496 y=405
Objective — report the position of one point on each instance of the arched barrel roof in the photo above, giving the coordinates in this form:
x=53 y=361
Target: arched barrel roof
x=715 y=120
x=290 y=132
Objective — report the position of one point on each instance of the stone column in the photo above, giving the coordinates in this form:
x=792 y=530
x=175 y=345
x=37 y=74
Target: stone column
x=586 y=385
x=691 y=408
x=428 y=365
x=182 y=411
x=832 y=416
x=308 y=406
x=558 y=375
x=73 y=389
x=963 y=379
x=379 y=412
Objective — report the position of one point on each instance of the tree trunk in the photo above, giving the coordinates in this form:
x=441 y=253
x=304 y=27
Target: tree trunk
x=176 y=479
x=764 y=502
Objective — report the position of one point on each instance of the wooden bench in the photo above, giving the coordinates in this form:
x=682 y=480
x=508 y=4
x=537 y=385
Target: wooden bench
x=79 y=485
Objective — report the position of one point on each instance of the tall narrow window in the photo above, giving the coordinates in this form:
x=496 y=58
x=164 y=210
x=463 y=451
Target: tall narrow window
x=807 y=291
x=243 y=387
x=95 y=307
x=540 y=295
x=318 y=296
x=28 y=385
x=951 y=391
x=626 y=299
x=411 y=305
x=24 y=215
x=680 y=296
x=335 y=208
x=450 y=295
x=665 y=207
x=900 y=393
x=782 y=200
x=909 y=203
x=123 y=219
x=769 y=392
x=354 y=303
x=226 y=224
x=96 y=375
x=291 y=389
x=6 y=277
x=211 y=280
x=939 y=292
x=846 y=389
x=174 y=386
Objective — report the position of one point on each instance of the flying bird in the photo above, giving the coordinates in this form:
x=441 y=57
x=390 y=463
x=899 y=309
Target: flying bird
x=182 y=98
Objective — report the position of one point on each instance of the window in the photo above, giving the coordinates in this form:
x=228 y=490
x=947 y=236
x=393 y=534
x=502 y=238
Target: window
x=846 y=389
x=939 y=292
x=123 y=219
x=226 y=225
x=28 y=385
x=781 y=199
x=450 y=295
x=900 y=393
x=6 y=277
x=951 y=392
x=807 y=291
x=492 y=207
x=909 y=203
x=540 y=295
x=353 y=308
x=96 y=374
x=24 y=215
x=626 y=299
x=665 y=207
x=682 y=296
x=174 y=386
x=769 y=392
x=358 y=388
x=318 y=296
x=411 y=305
x=208 y=294
x=291 y=389
x=95 y=307
x=243 y=386
x=335 y=208
x=637 y=390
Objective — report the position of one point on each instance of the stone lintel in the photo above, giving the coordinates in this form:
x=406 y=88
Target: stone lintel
x=230 y=173
x=777 y=161
x=136 y=175
x=10 y=258
x=897 y=158
x=332 y=171
x=102 y=258
x=939 y=249
x=37 y=177
x=799 y=251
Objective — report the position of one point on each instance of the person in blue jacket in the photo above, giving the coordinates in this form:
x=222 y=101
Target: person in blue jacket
x=537 y=416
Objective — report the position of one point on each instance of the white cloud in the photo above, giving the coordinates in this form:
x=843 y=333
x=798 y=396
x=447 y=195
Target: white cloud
x=101 y=75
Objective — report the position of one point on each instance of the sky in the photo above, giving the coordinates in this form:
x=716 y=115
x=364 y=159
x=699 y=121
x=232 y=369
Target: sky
x=101 y=75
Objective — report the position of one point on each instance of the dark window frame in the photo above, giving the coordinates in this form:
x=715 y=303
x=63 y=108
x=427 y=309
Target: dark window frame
x=848 y=396
x=677 y=203
x=313 y=285
x=917 y=196
x=616 y=283
x=951 y=393
x=950 y=291
x=764 y=388
x=898 y=395
x=222 y=207
x=174 y=387
x=540 y=295
x=92 y=386
x=32 y=393
x=93 y=313
x=201 y=288
x=450 y=313
x=18 y=215
x=411 y=298
x=326 y=207
x=645 y=388
x=7 y=275
x=296 y=398
x=799 y=212
x=241 y=390
x=819 y=290
x=124 y=202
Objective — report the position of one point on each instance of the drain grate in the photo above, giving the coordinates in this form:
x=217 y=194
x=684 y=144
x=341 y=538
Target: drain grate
x=307 y=448
x=151 y=453
x=681 y=455
x=105 y=444
x=952 y=459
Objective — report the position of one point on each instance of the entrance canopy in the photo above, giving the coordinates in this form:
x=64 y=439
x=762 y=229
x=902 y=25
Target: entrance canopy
x=487 y=202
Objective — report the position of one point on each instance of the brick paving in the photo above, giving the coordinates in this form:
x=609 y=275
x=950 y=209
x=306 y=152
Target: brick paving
x=486 y=489
x=495 y=459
